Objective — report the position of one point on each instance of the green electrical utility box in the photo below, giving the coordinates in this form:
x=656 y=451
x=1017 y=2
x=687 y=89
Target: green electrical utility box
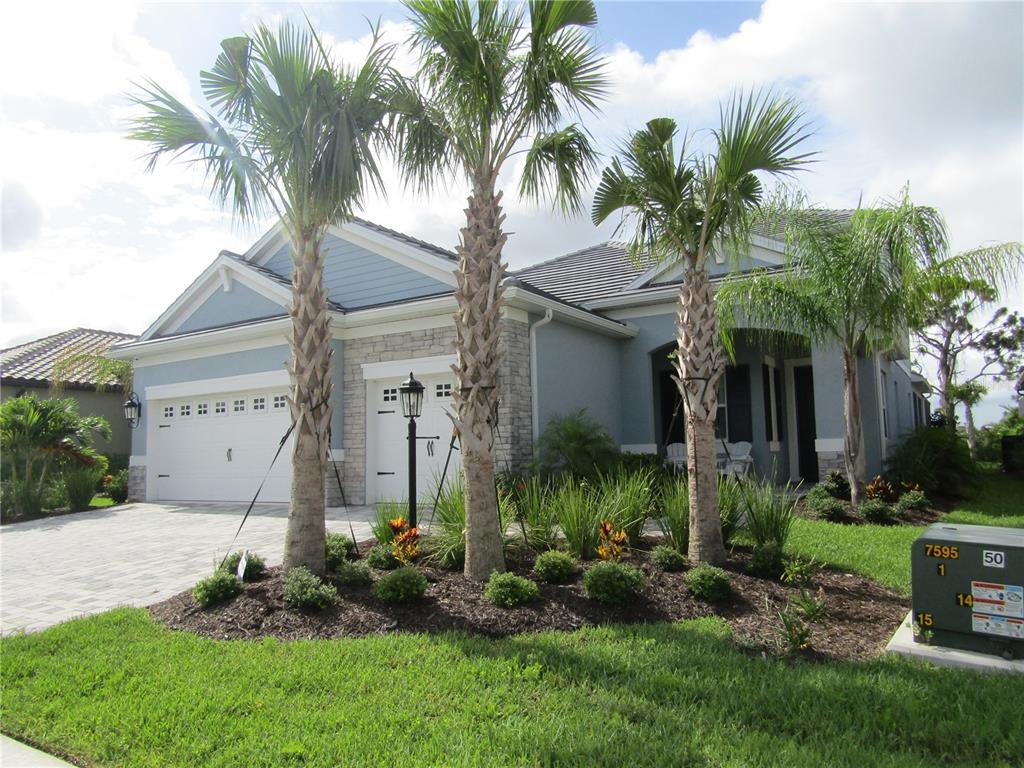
x=968 y=588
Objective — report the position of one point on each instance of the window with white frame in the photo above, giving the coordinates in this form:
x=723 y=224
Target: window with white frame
x=220 y=407
x=259 y=404
x=442 y=391
x=185 y=409
x=280 y=401
x=168 y=411
x=390 y=395
x=238 y=405
x=202 y=409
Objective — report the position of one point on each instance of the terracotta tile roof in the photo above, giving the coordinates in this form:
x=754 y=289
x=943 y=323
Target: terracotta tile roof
x=31 y=364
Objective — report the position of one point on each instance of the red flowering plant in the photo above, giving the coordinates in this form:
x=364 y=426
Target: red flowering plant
x=613 y=543
x=405 y=546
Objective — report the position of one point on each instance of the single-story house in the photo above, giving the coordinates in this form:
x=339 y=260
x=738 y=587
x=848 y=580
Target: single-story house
x=28 y=369
x=585 y=330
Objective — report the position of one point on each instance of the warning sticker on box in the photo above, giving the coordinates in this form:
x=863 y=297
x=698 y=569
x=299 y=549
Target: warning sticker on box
x=998 y=625
x=998 y=599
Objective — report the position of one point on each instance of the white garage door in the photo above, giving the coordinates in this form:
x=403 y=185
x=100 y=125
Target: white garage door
x=218 y=447
x=388 y=449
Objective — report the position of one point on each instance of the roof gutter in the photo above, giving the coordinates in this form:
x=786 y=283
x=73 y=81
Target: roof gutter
x=525 y=299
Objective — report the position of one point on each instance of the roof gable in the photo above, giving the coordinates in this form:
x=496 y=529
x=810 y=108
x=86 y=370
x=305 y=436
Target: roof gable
x=227 y=306
x=32 y=363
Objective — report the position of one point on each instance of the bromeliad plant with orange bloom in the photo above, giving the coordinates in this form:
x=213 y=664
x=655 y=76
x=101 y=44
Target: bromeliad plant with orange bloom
x=613 y=542
x=405 y=545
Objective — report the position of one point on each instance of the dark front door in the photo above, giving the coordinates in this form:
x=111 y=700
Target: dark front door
x=803 y=393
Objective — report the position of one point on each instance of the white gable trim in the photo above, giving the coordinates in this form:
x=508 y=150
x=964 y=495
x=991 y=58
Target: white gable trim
x=215 y=277
x=669 y=270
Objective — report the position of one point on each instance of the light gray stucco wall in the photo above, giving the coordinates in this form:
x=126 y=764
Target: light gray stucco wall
x=225 y=307
x=637 y=380
x=577 y=368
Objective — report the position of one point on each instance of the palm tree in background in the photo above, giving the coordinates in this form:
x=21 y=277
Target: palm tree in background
x=854 y=284
x=494 y=82
x=683 y=205
x=293 y=133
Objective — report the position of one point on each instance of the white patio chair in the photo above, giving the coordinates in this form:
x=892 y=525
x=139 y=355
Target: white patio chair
x=740 y=462
x=675 y=454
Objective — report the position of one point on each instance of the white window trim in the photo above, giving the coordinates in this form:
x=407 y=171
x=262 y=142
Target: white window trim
x=774 y=444
x=420 y=366
x=209 y=387
x=794 y=456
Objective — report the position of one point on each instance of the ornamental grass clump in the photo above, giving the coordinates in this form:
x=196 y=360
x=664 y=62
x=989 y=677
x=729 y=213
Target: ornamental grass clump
x=508 y=590
x=338 y=549
x=534 y=507
x=215 y=589
x=730 y=505
x=708 y=582
x=303 y=590
x=578 y=517
x=554 y=567
x=769 y=518
x=384 y=513
x=666 y=558
x=612 y=583
x=254 y=565
x=624 y=499
x=401 y=586
x=447 y=540
x=674 y=520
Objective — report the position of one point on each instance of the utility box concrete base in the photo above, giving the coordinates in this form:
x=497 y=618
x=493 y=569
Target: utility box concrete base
x=968 y=588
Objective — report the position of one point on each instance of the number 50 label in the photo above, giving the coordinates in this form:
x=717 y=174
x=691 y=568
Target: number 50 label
x=993 y=559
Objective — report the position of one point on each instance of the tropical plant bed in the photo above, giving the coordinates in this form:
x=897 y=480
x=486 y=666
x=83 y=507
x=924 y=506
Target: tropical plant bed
x=860 y=615
x=930 y=514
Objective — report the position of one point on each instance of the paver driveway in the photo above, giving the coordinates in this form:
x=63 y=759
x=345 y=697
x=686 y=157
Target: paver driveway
x=135 y=554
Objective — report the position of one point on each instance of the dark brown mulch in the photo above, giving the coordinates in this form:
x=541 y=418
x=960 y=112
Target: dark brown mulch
x=861 y=615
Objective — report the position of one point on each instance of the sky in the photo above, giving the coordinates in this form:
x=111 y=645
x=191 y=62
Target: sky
x=925 y=94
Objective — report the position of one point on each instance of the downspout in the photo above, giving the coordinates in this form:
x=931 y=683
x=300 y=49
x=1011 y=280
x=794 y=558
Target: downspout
x=548 y=316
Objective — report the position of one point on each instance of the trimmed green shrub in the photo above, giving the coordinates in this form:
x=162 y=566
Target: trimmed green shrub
x=303 y=590
x=624 y=499
x=674 y=520
x=822 y=504
x=353 y=574
x=912 y=499
x=218 y=588
x=508 y=590
x=767 y=560
x=401 y=586
x=937 y=459
x=337 y=549
x=667 y=558
x=80 y=486
x=799 y=572
x=579 y=517
x=576 y=445
x=554 y=567
x=876 y=511
x=836 y=484
x=117 y=488
x=381 y=558
x=708 y=582
x=254 y=565
x=611 y=582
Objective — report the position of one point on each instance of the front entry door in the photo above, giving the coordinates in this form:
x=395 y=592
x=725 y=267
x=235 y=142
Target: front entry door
x=807 y=456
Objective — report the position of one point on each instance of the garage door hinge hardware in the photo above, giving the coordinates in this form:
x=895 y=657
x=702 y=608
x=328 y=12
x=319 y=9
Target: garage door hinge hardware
x=385 y=473
x=163 y=426
x=380 y=412
x=163 y=475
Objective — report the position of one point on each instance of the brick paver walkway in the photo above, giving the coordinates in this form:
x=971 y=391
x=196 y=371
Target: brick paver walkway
x=55 y=569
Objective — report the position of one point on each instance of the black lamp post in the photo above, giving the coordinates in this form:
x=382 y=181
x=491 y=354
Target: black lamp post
x=132 y=410
x=411 y=394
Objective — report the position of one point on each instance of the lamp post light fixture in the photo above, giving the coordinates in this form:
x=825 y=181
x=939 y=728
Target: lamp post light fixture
x=411 y=395
x=132 y=410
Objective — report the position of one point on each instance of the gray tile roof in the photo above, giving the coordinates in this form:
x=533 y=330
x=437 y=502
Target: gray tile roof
x=31 y=364
x=435 y=249
x=590 y=273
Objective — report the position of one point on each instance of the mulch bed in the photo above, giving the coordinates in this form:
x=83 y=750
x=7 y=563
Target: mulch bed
x=861 y=615
x=935 y=510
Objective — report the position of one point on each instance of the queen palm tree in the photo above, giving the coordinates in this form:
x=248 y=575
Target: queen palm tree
x=293 y=133
x=494 y=82
x=854 y=284
x=682 y=206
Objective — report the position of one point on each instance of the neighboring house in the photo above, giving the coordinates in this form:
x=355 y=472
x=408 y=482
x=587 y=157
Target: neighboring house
x=28 y=369
x=586 y=330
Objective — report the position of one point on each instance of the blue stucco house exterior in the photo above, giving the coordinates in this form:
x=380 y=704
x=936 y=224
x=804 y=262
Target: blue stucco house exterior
x=586 y=330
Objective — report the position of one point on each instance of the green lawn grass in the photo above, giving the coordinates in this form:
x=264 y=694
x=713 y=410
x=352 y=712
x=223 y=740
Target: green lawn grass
x=119 y=690
x=99 y=501
x=882 y=553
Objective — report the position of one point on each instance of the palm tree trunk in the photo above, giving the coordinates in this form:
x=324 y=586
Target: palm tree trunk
x=478 y=326
x=311 y=407
x=699 y=366
x=946 y=403
x=853 y=441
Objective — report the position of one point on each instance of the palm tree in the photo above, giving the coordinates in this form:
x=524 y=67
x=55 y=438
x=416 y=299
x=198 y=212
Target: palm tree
x=293 y=133
x=493 y=83
x=854 y=284
x=682 y=206
x=970 y=394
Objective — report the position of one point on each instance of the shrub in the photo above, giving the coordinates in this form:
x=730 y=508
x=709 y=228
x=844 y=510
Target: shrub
x=769 y=511
x=730 y=510
x=384 y=513
x=575 y=445
x=836 y=484
x=798 y=571
x=447 y=542
x=117 y=488
x=305 y=591
x=624 y=499
x=937 y=459
x=708 y=582
x=554 y=567
x=796 y=633
x=80 y=486
x=813 y=608
x=613 y=583
x=401 y=586
x=912 y=499
x=876 y=511
x=353 y=574
x=218 y=588
x=381 y=558
x=613 y=542
x=822 y=504
x=767 y=560
x=879 y=489
x=674 y=520
x=254 y=565
x=406 y=544
x=338 y=549
x=508 y=590
x=578 y=517
x=22 y=497
x=667 y=558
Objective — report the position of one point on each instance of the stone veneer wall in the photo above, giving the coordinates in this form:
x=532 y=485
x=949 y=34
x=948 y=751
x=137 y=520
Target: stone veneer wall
x=514 y=412
x=829 y=461
x=137 y=483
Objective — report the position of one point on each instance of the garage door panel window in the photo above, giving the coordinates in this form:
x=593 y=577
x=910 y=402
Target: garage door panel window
x=259 y=404
x=280 y=401
x=443 y=391
x=238 y=405
x=220 y=408
x=185 y=410
x=168 y=411
x=202 y=409
x=390 y=395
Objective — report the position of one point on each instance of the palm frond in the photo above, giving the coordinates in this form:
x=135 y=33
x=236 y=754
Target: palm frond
x=557 y=164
